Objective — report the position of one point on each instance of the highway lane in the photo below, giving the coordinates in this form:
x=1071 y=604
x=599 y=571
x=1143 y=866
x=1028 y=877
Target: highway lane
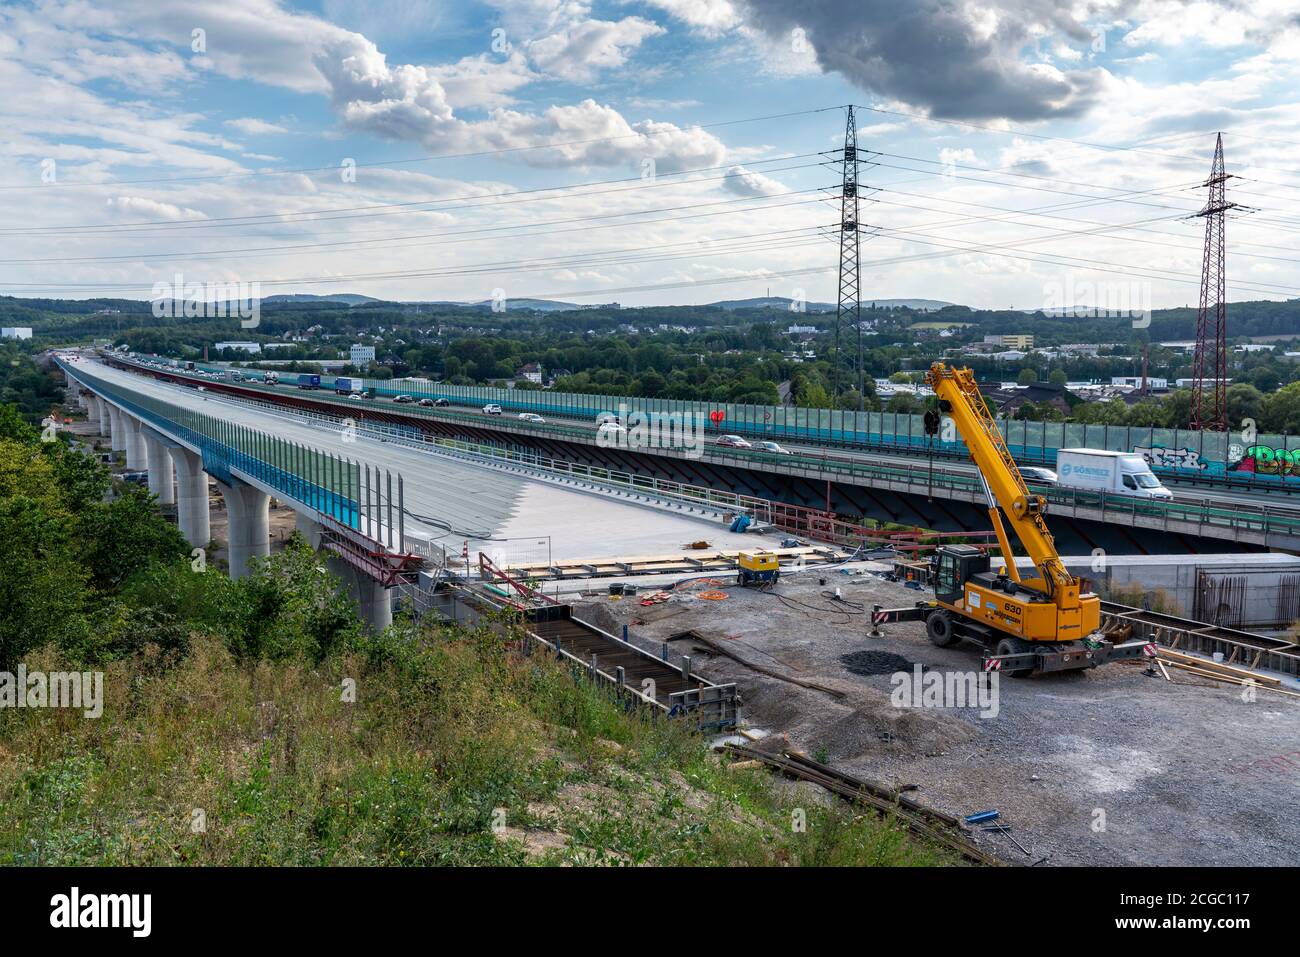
x=449 y=500
x=1280 y=498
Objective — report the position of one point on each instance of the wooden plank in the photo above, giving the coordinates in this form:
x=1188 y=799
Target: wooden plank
x=1229 y=679
x=1216 y=666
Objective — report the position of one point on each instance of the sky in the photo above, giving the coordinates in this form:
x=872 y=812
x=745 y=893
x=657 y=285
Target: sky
x=1014 y=153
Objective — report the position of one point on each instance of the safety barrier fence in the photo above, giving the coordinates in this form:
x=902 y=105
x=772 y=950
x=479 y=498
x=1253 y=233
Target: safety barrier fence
x=326 y=483
x=1208 y=515
x=1172 y=451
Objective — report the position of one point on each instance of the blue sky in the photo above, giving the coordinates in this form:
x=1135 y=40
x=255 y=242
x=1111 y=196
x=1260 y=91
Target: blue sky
x=1020 y=151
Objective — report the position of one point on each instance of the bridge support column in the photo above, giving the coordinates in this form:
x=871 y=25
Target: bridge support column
x=136 y=457
x=374 y=601
x=249 y=533
x=117 y=429
x=308 y=528
x=100 y=412
x=159 y=463
x=192 y=498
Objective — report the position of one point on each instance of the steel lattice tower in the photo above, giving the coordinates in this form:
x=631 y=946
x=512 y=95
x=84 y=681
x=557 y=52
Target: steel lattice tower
x=849 y=302
x=1211 y=412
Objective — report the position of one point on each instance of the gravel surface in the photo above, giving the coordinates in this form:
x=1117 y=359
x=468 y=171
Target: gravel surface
x=1102 y=767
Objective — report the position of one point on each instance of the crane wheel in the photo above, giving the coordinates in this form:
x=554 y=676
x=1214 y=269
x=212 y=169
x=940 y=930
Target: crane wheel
x=939 y=628
x=1014 y=646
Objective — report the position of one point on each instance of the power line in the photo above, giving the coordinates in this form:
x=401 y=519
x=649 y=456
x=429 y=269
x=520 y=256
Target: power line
x=476 y=154
x=1005 y=131
x=490 y=200
x=478 y=233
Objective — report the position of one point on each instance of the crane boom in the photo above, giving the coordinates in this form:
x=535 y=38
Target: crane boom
x=961 y=399
x=1032 y=625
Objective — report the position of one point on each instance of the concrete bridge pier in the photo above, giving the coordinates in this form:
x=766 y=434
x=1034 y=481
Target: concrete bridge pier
x=308 y=528
x=249 y=532
x=117 y=429
x=101 y=419
x=136 y=457
x=192 y=497
x=159 y=463
x=374 y=601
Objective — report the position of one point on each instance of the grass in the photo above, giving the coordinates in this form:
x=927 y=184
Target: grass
x=455 y=751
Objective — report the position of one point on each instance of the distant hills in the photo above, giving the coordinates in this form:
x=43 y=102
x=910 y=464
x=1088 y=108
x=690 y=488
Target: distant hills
x=781 y=302
x=551 y=305
x=350 y=298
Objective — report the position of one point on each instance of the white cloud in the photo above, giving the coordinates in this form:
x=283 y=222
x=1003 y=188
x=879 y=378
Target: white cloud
x=745 y=182
x=252 y=126
x=578 y=52
x=140 y=207
x=710 y=17
x=481 y=82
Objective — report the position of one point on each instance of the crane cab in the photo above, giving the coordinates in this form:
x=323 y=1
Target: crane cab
x=955 y=566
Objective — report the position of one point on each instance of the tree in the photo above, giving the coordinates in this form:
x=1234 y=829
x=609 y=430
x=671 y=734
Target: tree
x=1026 y=377
x=123 y=535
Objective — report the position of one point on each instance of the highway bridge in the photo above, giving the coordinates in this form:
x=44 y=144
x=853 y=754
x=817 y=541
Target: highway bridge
x=382 y=508
x=1251 y=465
x=848 y=482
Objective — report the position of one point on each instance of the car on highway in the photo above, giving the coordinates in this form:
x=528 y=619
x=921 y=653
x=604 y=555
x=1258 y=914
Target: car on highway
x=531 y=417
x=425 y=402
x=442 y=403
x=1032 y=473
x=772 y=447
x=733 y=441
x=403 y=399
x=356 y=395
x=492 y=409
x=610 y=428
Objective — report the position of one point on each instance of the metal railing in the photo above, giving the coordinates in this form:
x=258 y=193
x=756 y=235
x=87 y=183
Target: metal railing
x=355 y=495
x=1173 y=451
x=1208 y=515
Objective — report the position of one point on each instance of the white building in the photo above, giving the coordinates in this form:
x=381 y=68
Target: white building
x=253 y=347
x=16 y=332
x=1135 y=382
x=361 y=355
x=801 y=331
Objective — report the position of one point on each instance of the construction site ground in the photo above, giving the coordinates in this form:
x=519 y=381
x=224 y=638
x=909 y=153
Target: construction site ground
x=1104 y=767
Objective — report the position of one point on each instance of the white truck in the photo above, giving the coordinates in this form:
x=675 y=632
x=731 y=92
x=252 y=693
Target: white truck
x=1116 y=473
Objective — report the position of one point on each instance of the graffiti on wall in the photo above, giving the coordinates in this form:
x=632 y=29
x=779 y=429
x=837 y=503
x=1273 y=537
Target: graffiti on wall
x=1159 y=457
x=1264 y=460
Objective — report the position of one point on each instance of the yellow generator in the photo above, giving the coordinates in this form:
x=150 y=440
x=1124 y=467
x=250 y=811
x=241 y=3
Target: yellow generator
x=758 y=568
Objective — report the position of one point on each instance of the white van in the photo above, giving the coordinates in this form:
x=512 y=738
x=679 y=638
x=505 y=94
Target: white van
x=1118 y=473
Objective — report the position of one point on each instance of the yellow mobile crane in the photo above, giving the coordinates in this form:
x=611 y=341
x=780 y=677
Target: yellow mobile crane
x=1030 y=624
